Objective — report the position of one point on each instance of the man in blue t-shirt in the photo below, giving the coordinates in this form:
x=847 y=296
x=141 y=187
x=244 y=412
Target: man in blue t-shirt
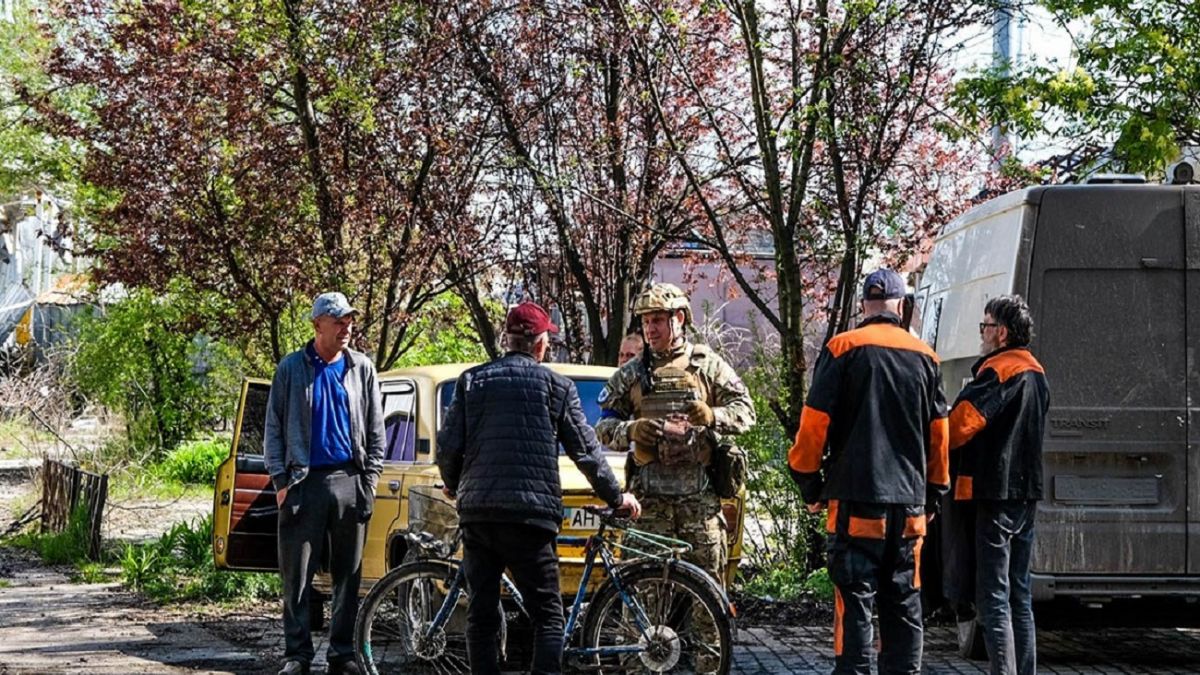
x=323 y=447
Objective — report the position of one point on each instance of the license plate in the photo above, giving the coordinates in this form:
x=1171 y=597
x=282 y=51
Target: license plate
x=579 y=519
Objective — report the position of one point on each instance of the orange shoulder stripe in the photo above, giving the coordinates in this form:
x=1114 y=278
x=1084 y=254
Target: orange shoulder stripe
x=879 y=335
x=1011 y=363
x=805 y=454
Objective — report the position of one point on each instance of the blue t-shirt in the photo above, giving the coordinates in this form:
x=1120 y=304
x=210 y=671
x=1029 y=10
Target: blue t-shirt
x=330 y=445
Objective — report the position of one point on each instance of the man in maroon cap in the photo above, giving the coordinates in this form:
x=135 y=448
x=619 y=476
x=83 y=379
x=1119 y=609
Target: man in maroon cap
x=498 y=455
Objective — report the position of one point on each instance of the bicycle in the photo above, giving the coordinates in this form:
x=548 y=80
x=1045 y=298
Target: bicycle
x=654 y=613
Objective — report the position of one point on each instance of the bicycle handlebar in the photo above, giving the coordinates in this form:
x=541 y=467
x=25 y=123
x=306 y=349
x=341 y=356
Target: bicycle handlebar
x=621 y=513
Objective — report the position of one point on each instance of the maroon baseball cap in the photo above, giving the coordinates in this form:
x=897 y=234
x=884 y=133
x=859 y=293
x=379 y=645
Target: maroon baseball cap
x=528 y=318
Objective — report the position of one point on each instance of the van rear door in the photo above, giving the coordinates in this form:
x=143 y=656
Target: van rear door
x=1191 y=216
x=1109 y=296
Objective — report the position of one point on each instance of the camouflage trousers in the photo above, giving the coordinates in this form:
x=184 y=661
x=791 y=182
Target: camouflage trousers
x=697 y=520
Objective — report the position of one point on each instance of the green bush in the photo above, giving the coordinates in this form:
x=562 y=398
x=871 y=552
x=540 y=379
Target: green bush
x=819 y=584
x=783 y=583
x=148 y=358
x=194 y=462
x=59 y=548
x=179 y=566
x=780 y=528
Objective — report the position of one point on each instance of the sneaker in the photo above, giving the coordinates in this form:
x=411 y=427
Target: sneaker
x=294 y=667
x=348 y=667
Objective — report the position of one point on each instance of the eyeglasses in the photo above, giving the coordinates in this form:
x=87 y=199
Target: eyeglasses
x=987 y=325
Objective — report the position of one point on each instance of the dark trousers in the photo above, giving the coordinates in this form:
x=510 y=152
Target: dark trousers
x=874 y=555
x=319 y=514
x=1003 y=594
x=529 y=554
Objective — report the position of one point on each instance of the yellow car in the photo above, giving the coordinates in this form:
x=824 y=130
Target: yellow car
x=414 y=401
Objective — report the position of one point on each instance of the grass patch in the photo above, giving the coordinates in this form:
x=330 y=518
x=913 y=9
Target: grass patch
x=189 y=471
x=179 y=566
x=92 y=573
x=19 y=440
x=787 y=582
x=68 y=547
x=5 y=583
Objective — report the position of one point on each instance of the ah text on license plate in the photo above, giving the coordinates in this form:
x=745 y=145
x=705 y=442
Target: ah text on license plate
x=578 y=519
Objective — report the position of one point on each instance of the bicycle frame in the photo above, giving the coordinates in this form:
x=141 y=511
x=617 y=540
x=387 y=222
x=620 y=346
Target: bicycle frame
x=596 y=547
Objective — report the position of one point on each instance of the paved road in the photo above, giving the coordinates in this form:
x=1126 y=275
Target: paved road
x=786 y=649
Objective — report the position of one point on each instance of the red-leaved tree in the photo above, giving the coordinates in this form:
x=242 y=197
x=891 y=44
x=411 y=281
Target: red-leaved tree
x=269 y=151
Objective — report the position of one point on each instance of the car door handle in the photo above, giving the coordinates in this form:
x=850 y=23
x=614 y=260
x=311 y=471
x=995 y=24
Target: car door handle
x=394 y=486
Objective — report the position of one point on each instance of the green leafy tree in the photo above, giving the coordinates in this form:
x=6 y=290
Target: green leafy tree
x=147 y=358
x=33 y=159
x=1135 y=86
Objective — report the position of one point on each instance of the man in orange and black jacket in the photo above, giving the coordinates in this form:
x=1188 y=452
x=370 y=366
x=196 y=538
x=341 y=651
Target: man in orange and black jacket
x=872 y=448
x=996 y=430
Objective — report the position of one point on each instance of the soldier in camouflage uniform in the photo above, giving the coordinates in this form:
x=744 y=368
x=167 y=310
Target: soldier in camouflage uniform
x=675 y=404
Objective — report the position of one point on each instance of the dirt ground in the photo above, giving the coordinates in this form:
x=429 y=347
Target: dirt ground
x=51 y=624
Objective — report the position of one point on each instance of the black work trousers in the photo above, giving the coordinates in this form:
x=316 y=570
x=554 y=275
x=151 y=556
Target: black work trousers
x=321 y=513
x=874 y=555
x=529 y=554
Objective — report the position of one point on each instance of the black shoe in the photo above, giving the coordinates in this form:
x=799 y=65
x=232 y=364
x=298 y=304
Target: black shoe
x=347 y=667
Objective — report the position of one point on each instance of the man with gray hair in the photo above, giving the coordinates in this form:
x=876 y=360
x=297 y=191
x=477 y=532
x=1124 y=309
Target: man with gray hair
x=323 y=447
x=498 y=455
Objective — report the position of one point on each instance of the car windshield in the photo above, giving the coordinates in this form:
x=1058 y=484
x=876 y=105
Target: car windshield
x=589 y=393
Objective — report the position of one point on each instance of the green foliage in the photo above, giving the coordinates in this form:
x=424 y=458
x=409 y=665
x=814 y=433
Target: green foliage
x=819 y=584
x=33 y=159
x=60 y=548
x=788 y=582
x=444 y=334
x=147 y=358
x=69 y=547
x=1134 y=85
x=783 y=583
x=194 y=462
x=179 y=566
x=779 y=528
x=91 y=573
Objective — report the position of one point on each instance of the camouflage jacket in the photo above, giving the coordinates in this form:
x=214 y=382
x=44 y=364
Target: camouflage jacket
x=721 y=389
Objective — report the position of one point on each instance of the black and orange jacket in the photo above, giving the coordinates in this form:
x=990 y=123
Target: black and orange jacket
x=874 y=426
x=996 y=428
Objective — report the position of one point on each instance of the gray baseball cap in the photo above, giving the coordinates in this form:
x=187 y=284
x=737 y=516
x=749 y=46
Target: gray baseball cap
x=334 y=304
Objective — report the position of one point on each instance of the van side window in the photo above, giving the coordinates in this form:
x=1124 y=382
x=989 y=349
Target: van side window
x=930 y=322
x=400 y=421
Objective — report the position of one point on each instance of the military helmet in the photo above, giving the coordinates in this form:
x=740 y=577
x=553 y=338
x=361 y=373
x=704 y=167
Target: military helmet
x=663 y=298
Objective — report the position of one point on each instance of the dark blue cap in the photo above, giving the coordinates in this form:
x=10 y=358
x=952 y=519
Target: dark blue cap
x=883 y=284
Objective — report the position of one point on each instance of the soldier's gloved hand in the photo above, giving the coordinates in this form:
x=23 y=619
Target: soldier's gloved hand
x=646 y=432
x=699 y=414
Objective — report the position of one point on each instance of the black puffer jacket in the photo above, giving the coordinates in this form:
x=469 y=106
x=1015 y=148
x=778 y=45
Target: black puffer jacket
x=498 y=447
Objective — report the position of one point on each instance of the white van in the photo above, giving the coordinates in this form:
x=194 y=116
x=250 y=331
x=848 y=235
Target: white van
x=1112 y=277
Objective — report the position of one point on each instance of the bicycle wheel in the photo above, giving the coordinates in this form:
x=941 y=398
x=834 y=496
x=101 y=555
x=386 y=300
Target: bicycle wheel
x=393 y=631
x=689 y=630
